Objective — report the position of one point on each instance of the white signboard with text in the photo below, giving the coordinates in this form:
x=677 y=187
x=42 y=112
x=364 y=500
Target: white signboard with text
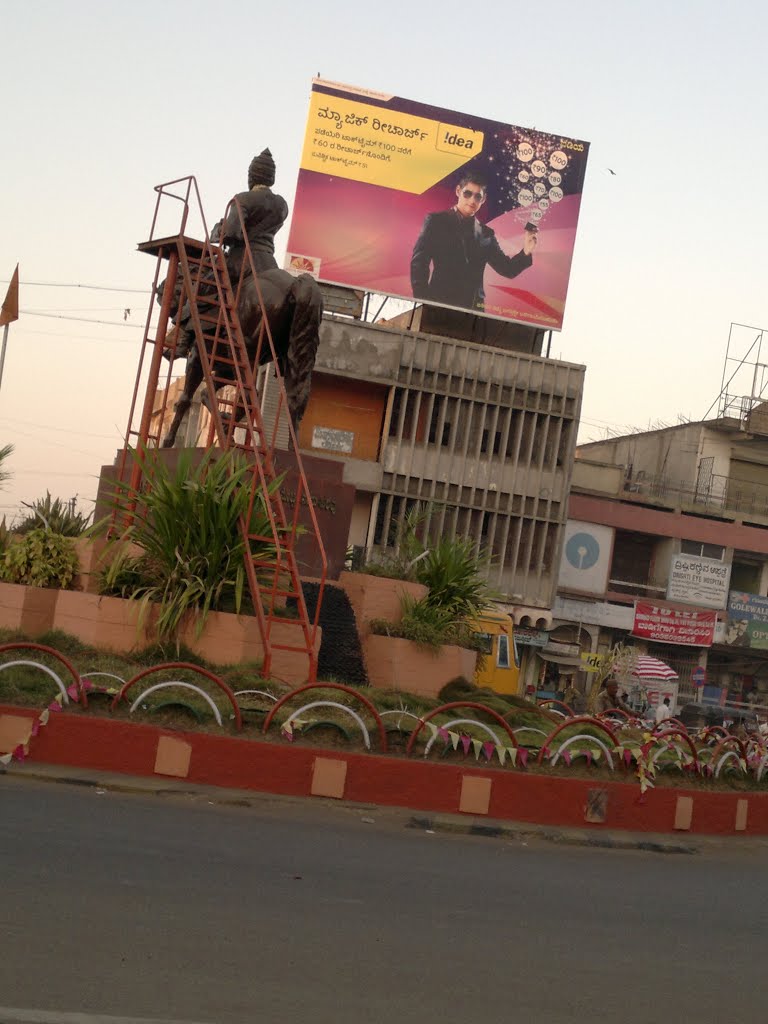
x=700 y=581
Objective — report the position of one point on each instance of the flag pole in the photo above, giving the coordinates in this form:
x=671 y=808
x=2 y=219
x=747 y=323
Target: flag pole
x=2 y=353
x=8 y=313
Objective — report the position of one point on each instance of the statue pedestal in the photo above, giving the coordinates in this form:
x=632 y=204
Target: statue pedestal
x=332 y=500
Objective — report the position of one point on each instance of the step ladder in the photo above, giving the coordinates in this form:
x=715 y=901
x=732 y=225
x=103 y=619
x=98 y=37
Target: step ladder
x=196 y=274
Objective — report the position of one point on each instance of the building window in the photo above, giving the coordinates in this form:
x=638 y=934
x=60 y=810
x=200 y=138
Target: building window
x=485 y=642
x=502 y=652
x=693 y=547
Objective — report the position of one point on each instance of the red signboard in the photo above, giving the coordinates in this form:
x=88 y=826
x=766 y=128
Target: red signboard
x=673 y=625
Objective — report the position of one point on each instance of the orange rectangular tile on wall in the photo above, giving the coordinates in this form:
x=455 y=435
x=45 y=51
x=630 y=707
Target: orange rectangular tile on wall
x=173 y=757
x=329 y=776
x=475 y=795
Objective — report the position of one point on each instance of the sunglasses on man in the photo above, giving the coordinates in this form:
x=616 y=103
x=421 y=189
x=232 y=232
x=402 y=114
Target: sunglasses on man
x=469 y=194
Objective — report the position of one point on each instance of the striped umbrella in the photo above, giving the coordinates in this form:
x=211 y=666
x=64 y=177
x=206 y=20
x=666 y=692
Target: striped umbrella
x=647 y=667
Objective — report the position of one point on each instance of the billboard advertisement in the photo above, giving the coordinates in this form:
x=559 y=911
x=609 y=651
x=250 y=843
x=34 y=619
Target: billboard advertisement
x=673 y=625
x=747 y=624
x=700 y=581
x=431 y=205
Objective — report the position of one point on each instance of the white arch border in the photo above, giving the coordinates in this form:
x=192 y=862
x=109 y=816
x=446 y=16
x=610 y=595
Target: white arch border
x=48 y=671
x=582 y=736
x=186 y=686
x=462 y=721
x=339 y=707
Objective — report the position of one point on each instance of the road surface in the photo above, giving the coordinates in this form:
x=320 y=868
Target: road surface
x=119 y=908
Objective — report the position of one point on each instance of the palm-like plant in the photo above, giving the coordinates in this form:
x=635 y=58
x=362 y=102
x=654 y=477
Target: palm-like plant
x=5 y=453
x=54 y=515
x=188 y=527
x=456 y=575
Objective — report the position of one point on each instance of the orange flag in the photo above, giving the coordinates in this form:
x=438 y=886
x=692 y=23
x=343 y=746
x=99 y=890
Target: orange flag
x=10 y=310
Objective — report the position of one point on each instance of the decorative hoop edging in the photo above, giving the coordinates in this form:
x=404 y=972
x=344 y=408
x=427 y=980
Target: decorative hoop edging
x=260 y=693
x=23 y=646
x=110 y=675
x=461 y=721
x=741 y=754
x=670 y=723
x=684 y=736
x=569 y=723
x=553 y=700
x=329 y=686
x=186 y=686
x=726 y=757
x=339 y=707
x=190 y=668
x=714 y=730
x=460 y=704
x=43 y=668
x=582 y=736
x=530 y=728
x=621 y=713
x=407 y=714
x=760 y=770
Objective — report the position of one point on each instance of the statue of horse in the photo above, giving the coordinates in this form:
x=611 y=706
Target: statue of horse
x=294 y=310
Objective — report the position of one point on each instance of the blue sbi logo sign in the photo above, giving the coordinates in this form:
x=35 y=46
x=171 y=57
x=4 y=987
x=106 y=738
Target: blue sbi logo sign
x=582 y=551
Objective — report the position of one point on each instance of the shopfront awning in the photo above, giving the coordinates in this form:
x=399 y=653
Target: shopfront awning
x=560 y=659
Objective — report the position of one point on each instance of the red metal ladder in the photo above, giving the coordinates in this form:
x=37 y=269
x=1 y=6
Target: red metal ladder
x=271 y=563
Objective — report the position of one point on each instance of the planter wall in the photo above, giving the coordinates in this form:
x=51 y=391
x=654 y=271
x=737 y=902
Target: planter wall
x=111 y=623
x=104 y=744
x=27 y=609
x=376 y=597
x=396 y=664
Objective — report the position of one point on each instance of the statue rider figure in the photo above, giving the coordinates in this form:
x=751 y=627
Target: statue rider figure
x=264 y=213
x=292 y=305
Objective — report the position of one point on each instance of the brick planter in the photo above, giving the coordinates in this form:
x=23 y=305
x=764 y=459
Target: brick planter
x=111 y=623
x=397 y=664
x=377 y=597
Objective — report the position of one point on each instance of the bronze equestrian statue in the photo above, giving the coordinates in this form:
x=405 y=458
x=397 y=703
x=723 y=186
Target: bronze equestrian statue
x=293 y=305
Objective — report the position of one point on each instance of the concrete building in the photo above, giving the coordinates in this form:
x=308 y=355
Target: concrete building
x=675 y=520
x=458 y=413
x=483 y=435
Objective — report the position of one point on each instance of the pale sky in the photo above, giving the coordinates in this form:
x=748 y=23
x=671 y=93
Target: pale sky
x=104 y=100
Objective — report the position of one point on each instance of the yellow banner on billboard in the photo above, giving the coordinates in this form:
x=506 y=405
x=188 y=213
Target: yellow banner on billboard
x=355 y=140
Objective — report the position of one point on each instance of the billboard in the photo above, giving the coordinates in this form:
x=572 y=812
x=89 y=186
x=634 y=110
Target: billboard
x=747 y=624
x=700 y=581
x=431 y=205
x=673 y=625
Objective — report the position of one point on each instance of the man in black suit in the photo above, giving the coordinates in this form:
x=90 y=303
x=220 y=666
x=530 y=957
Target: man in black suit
x=458 y=247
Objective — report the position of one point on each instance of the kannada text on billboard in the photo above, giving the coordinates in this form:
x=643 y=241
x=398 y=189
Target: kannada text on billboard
x=430 y=205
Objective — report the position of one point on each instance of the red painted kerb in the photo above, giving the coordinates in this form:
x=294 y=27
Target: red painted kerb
x=90 y=741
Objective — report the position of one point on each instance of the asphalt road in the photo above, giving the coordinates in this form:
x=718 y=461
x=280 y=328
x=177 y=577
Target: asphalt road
x=114 y=908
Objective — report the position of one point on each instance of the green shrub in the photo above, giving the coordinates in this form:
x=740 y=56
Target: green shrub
x=41 y=559
x=427 y=625
x=188 y=527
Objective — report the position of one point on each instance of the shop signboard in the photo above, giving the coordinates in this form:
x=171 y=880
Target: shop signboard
x=530 y=637
x=700 y=581
x=410 y=200
x=747 y=624
x=593 y=613
x=691 y=628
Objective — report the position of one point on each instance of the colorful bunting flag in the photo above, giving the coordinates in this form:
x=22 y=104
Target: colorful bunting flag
x=477 y=746
x=466 y=743
x=502 y=754
x=454 y=737
x=522 y=754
